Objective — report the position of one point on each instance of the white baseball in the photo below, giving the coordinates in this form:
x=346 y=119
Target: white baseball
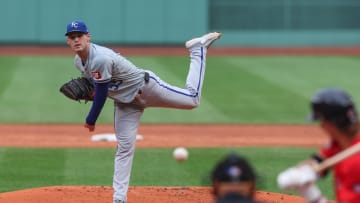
x=180 y=154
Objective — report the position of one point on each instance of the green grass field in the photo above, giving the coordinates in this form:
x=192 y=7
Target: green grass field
x=27 y=168
x=237 y=89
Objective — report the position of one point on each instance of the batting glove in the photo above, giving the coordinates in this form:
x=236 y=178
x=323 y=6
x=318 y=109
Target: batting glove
x=296 y=177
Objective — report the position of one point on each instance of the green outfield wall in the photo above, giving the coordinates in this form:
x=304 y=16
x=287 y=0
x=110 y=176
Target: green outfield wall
x=171 y=22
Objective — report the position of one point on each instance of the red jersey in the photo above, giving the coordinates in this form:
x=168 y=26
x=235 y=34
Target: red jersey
x=346 y=174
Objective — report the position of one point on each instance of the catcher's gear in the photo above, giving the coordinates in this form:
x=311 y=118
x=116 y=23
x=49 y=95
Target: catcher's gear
x=78 y=89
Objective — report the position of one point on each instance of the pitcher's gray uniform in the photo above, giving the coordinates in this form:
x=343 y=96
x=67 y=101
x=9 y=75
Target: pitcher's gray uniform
x=134 y=89
x=126 y=81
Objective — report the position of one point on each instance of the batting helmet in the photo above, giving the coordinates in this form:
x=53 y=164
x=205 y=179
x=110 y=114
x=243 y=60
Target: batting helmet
x=334 y=105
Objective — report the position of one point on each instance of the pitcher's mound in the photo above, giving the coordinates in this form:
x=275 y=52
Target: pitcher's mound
x=137 y=194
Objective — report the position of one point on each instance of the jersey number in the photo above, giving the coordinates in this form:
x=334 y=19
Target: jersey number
x=114 y=85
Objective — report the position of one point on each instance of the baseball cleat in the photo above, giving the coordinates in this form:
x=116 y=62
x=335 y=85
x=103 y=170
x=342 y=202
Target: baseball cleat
x=205 y=40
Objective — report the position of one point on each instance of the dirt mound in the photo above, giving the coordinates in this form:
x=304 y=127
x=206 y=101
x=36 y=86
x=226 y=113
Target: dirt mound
x=103 y=194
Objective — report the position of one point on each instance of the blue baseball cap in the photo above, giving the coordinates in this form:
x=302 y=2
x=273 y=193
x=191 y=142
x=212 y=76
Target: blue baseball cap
x=76 y=26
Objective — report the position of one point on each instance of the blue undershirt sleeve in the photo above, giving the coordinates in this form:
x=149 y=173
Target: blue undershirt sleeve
x=101 y=90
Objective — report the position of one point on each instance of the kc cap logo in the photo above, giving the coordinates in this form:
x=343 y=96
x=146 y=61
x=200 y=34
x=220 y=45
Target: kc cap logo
x=76 y=26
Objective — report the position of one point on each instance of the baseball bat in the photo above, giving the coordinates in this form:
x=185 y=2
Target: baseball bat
x=327 y=163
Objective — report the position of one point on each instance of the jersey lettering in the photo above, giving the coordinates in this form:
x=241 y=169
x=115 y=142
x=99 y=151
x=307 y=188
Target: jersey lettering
x=115 y=84
x=96 y=75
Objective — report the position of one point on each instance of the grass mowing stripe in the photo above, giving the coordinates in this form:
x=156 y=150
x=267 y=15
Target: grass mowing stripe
x=37 y=81
x=279 y=86
x=26 y=168
x=8 y=66
x=304 y=74
x=257 y=100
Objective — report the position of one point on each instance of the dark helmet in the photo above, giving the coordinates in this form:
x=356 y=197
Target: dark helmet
x=233 y=168
x=334 y=105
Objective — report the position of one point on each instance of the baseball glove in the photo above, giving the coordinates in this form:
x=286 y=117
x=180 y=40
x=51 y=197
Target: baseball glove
x=78 y=89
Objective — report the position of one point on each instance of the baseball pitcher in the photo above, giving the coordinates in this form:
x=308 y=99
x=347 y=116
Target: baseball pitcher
x=133 y=89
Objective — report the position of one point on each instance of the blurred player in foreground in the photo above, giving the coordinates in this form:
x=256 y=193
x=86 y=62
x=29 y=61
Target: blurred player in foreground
x=234 y=180
x=337 y=114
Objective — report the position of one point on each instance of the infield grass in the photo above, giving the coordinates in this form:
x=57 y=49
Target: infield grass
x=27 y=168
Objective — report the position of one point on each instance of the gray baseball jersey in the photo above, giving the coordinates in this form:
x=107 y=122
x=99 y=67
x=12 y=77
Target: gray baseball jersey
x=105 y=65
x=132 y=93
